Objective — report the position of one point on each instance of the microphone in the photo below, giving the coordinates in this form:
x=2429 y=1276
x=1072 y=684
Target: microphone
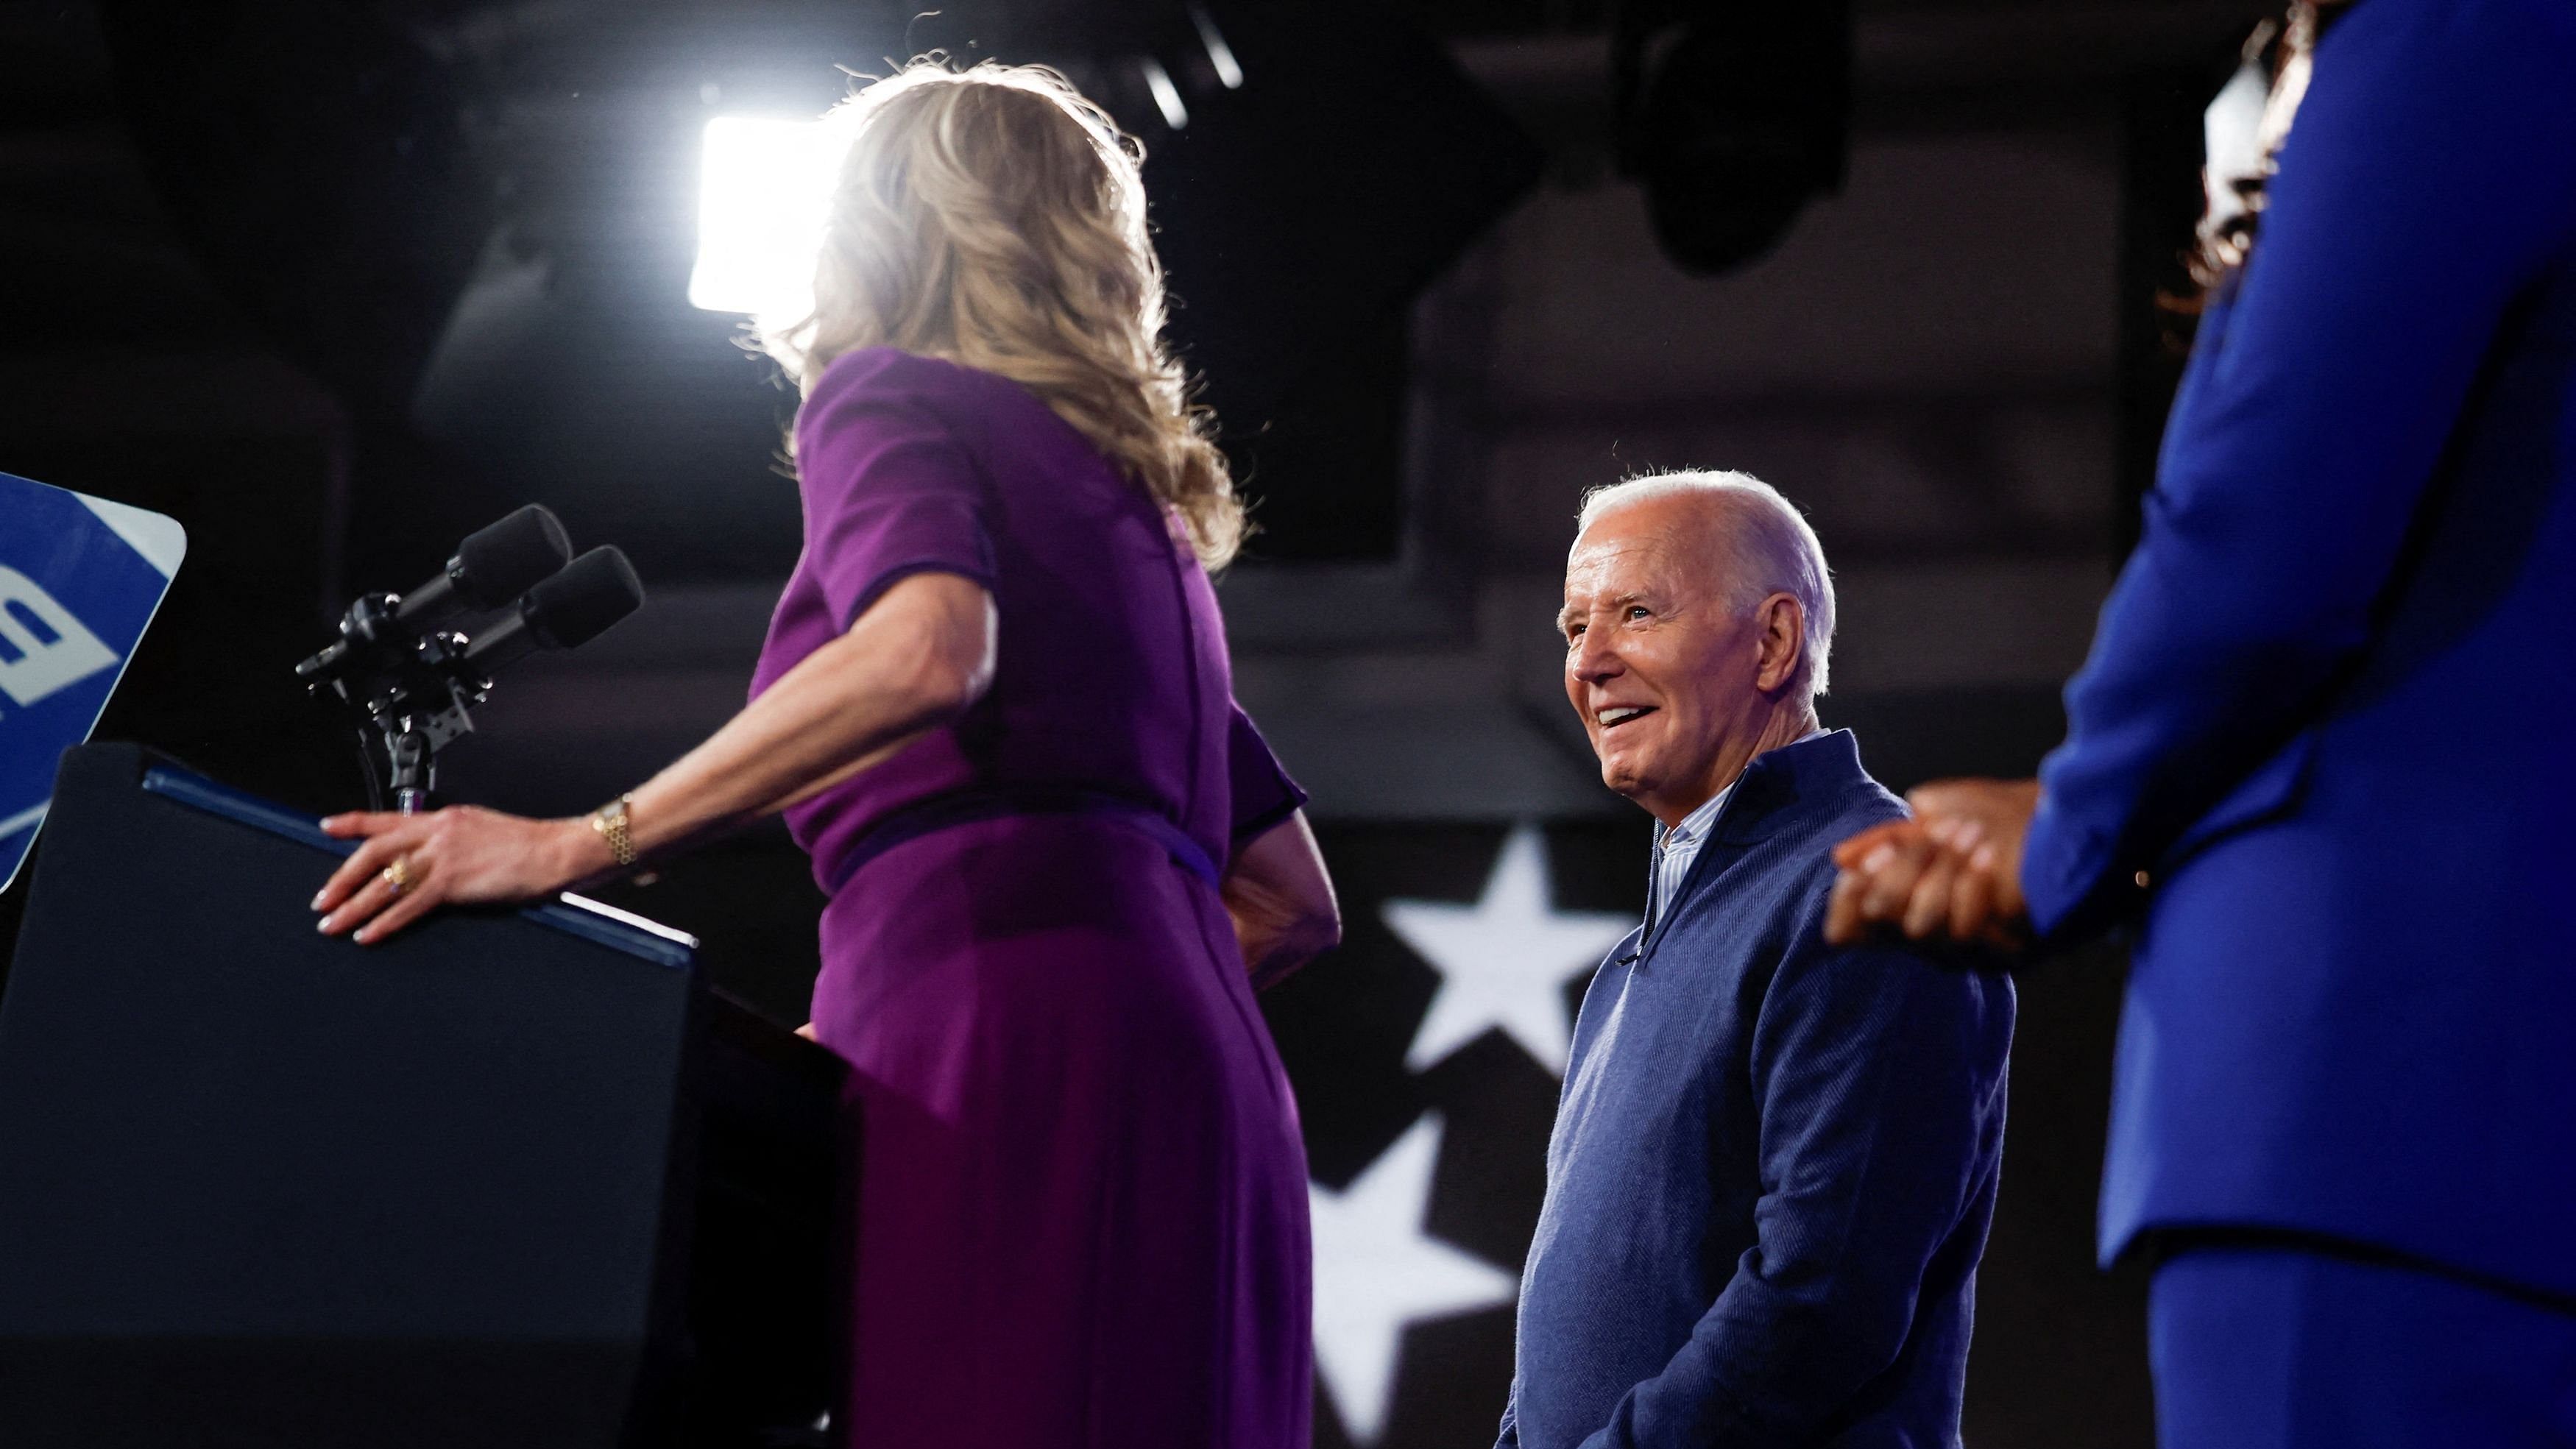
x=492 y=566
x=417 y=683
x=567 y=611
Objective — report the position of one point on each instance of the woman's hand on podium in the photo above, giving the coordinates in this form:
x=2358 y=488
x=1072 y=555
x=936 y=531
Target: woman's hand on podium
x=461 y=855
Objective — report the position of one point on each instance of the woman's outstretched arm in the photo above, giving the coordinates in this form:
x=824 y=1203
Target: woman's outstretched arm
x=919 y=657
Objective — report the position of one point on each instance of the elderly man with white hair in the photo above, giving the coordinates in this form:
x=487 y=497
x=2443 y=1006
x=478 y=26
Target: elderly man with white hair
x=1775 y=1160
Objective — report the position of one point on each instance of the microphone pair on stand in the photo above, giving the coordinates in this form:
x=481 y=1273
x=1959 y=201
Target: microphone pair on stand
x=416 y=682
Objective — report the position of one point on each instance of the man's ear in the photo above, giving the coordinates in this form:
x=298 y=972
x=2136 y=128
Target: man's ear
x=1782 y=644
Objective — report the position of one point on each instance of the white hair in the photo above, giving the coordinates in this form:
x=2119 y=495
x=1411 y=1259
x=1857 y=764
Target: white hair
x=1769 y=550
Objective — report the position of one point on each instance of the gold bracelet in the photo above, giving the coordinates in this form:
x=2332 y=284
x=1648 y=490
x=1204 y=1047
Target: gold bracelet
x=611 y=821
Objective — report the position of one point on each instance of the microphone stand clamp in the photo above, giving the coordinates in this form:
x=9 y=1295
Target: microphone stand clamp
x=415 y=690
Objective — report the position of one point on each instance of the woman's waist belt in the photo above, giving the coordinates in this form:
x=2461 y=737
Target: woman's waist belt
x=998 y=802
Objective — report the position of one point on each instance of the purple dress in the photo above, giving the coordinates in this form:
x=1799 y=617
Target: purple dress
x=1082 y=1193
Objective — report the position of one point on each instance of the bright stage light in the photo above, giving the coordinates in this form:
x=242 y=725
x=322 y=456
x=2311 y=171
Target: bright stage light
x=1167 y=96
x=1229 y=71
x=763 y=188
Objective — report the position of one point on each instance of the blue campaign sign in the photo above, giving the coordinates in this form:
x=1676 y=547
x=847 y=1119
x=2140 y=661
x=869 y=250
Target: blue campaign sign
x=80 y=578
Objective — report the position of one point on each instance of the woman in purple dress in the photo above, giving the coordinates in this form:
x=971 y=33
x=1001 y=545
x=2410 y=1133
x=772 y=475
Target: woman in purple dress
x=996 y=708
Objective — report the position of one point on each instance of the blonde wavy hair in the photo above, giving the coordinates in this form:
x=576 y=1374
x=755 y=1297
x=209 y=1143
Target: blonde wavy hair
x=994 y=218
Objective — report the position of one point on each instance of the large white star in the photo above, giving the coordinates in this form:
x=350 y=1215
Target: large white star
x=1503 y=961
x=1376 y=1271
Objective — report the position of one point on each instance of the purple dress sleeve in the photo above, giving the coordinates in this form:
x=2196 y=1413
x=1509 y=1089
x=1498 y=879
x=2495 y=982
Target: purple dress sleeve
x=890 y=491
x=1264 y=796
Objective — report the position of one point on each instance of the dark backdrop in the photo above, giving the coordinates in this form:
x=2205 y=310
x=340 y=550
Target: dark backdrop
x=128 y=370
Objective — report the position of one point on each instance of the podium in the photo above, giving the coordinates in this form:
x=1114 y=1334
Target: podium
x=514 y=1177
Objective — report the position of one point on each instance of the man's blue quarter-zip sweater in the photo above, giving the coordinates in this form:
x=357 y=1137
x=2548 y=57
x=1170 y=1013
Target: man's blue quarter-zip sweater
x=1774 y=1161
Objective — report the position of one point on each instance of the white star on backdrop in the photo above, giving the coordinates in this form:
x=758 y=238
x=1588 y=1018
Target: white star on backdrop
x=1504 y=961
x=1376 y=1271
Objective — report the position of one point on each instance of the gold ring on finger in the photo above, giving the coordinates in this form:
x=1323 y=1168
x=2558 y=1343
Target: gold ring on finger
x=398 y=876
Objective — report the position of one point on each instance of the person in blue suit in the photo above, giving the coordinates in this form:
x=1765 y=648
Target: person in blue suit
x=2323 y=760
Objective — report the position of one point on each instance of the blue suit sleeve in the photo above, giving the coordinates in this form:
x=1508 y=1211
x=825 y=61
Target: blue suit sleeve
x=1509 y=1436
x=2426 y=181
x=1880 y=1081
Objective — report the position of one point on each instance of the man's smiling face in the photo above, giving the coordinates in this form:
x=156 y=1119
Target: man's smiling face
x=1657 y=663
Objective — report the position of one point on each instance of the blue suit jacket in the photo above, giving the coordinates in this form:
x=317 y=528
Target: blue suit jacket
x=1774 y=1161
x=2331 y=708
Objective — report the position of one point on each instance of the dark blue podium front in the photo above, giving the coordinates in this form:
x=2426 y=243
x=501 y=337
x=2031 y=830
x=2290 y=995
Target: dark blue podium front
x=514 y=1177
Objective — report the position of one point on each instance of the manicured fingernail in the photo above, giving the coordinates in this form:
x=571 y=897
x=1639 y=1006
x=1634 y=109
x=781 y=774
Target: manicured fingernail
x=323 y=925
x=1877 y=859
x=317 y=899
x=1984 y=857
